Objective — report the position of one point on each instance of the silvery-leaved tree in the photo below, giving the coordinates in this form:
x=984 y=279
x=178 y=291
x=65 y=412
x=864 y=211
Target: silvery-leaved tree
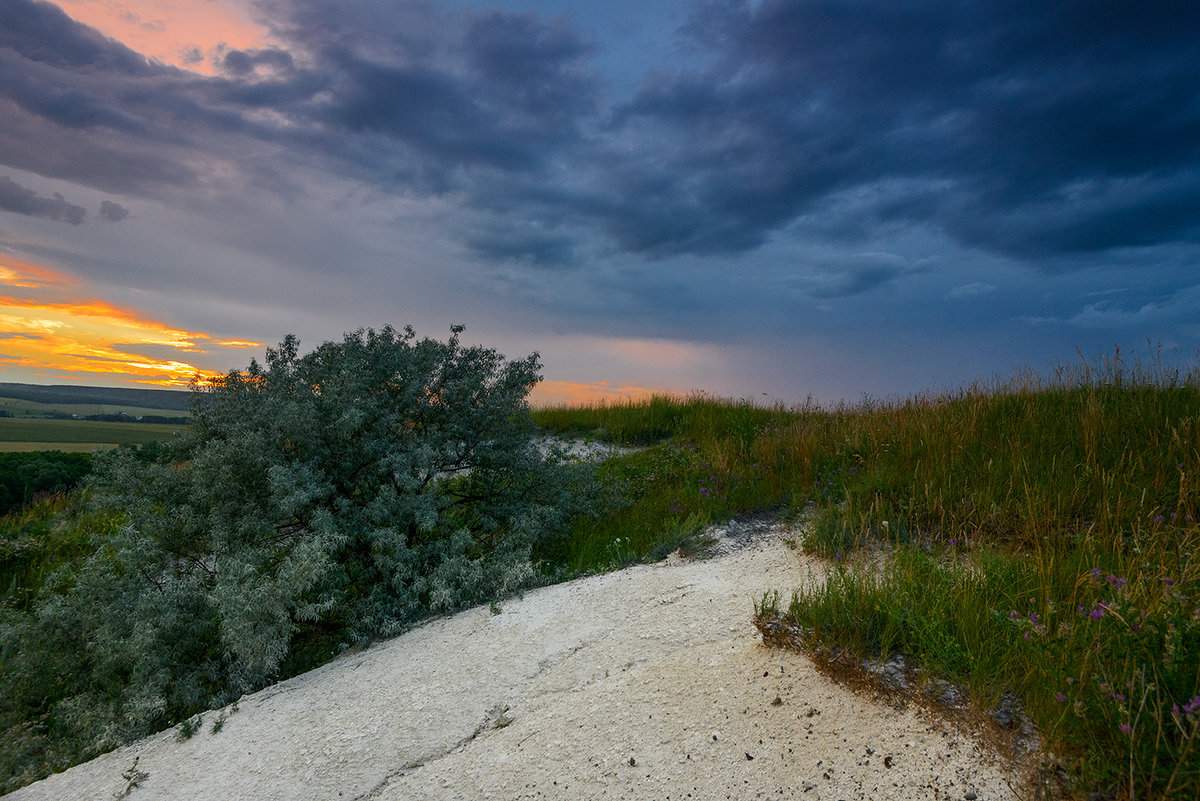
x=351 y=489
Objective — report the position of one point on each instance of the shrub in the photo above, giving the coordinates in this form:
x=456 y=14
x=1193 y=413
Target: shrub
x=317 y=499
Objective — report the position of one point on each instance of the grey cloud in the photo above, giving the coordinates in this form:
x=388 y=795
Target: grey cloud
x=1031 y=129
x=1177 y=307
x=507 y=94
x=856 y=282
x=42 y=33
x=99 y=158
x=532 y=247
x=22 y=200
x=244 y=63
x=408 y=97
x=851 y=275
x=112 y=212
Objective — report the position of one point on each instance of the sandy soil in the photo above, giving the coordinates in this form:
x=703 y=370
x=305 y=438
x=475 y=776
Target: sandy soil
x=648 y=683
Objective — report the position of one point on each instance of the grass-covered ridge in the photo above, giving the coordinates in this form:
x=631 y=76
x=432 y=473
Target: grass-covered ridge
x=1037 y=536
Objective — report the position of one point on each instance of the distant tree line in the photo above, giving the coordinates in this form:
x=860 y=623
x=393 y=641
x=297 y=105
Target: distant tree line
x=121 y=417
x=27 y=476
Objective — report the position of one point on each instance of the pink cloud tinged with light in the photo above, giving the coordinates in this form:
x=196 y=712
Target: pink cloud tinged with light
x=172 y=31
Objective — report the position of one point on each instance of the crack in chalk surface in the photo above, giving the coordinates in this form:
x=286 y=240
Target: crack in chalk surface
x=556 y=659
x=495 y=718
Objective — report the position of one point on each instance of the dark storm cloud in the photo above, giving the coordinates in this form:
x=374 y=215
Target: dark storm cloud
x=78 y=106
x=22 y=200
x=1034 y=129
x=440 y=96
x=1005 y=111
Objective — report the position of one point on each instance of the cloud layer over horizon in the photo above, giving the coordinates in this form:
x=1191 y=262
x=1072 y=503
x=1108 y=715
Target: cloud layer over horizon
x=834 y=196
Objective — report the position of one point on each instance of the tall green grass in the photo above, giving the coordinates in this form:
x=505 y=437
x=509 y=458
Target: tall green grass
x=1036 y=535
x=696 y=465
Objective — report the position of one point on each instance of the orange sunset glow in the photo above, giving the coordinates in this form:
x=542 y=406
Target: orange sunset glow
x=576 y=393
x=46 y=330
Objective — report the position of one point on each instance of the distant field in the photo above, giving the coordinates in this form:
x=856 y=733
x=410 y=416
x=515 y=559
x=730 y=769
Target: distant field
x=27 y=434
x=65 y=447
x=28 y=408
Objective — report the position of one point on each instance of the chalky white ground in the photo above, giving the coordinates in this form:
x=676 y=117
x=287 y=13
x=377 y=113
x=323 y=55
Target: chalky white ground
x=648 y=683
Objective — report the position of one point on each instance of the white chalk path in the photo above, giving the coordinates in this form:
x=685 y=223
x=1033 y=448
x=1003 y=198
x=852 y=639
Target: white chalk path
x=647 y=683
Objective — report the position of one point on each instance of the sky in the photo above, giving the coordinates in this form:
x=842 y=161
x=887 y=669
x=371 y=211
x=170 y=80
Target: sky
x=751 y=198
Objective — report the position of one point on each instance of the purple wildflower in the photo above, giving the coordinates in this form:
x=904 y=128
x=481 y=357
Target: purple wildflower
x=1060 y=697
x=1125 y=728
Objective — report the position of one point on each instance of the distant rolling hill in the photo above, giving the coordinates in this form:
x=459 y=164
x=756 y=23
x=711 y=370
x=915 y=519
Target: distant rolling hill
x=173 y=400
x=74 y=418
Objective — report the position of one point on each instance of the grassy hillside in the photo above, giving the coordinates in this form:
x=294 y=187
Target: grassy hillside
x=1037 y=538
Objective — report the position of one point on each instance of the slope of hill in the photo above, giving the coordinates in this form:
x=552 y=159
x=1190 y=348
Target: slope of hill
x=167 y=399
